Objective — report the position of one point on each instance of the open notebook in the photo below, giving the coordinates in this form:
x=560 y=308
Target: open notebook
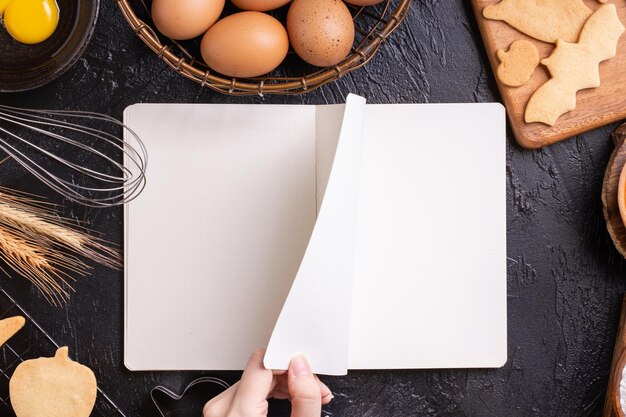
x=405 y=268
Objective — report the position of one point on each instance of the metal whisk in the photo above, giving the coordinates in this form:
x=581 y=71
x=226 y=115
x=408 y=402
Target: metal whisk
x=98 y=168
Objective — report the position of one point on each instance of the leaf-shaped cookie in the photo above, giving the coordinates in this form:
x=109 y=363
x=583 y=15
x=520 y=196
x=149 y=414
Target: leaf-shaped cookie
x=10 y=326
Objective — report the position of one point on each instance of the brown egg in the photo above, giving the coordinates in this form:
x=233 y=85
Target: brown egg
x=185 y=19
x=260 y=5
x=246 y=44
x=364 y=2
x=321 y=31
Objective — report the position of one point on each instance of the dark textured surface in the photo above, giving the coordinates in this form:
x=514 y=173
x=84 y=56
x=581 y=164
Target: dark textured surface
x=564 y=276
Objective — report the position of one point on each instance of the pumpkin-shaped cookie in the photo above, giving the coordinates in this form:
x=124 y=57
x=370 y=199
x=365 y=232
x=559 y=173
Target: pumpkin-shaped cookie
x=518 y=64
x=53 y=387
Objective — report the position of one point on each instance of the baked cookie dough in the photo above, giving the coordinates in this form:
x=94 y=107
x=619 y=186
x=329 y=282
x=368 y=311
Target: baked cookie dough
x=518 y=64
x=10 y=326
x=546 y=20
x=53 y=387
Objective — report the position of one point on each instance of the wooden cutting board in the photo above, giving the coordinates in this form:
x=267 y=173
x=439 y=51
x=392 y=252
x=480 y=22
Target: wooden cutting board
x=595 y=106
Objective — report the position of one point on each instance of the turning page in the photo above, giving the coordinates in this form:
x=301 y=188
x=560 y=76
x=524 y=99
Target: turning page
x=429 y=190
x=327 y=269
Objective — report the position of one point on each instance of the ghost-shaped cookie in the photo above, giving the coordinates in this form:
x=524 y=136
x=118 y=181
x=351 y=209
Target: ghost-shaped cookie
x=546 y=20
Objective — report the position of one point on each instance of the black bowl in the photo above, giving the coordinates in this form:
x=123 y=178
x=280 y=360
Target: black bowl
x=24 y=67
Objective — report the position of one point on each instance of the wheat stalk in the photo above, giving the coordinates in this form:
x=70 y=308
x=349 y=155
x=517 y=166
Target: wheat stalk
x=44 y=248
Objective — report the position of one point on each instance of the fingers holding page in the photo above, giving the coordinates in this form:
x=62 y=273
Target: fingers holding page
x=248 y=397
x=304 y=388
x=255 y=386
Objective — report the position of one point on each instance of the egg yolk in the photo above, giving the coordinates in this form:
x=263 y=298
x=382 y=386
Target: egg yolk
x=30 y=21
x=3 y=5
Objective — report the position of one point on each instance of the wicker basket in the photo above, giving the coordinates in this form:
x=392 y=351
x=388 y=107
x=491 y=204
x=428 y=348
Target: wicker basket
x=373 y=26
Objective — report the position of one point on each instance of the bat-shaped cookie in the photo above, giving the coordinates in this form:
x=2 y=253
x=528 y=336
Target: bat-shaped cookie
x=574 y=66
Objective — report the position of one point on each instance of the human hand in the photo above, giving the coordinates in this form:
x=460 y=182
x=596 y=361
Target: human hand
x=248 y=397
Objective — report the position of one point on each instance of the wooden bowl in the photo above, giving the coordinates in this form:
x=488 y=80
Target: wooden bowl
x=612 y=406
x=614 y=391
x=613 y=191
x=621 y=194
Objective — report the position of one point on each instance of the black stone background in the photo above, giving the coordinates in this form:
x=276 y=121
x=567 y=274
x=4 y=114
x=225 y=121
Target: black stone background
x=565 y=279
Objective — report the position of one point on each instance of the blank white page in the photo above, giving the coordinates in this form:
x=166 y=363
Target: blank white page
x=216 y=238
x=430 y=279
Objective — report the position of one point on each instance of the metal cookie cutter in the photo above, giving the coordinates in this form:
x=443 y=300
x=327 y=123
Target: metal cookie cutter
x=176 y=396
